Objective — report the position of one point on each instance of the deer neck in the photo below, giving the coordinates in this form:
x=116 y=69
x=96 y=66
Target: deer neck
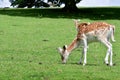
x=73 y=45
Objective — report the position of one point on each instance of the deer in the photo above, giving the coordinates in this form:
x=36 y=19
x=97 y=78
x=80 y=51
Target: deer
x=88 y=33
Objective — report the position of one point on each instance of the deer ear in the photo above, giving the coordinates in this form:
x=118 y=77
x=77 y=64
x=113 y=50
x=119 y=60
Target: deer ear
x=64 y=47
x=78 y=20
x=60 y=50
x=88 y=23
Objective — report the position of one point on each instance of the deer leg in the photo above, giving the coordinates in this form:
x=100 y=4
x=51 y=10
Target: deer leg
x=85 y=56
x=111 y=54
x=106 y=58
x=80 y=62
x=109 y=51
x=85 y=51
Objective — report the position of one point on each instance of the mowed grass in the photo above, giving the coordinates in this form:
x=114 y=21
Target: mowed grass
x=29 y=39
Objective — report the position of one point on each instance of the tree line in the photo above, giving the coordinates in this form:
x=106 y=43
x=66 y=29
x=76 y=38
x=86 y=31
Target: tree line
x=69 y=4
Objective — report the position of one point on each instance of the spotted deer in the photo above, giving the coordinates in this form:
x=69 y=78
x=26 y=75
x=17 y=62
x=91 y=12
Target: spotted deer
x=88 y=33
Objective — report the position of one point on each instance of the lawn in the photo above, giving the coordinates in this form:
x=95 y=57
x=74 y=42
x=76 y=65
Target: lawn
x=29 y=39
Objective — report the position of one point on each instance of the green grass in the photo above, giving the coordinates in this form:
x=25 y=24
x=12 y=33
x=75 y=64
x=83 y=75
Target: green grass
x=29 y=38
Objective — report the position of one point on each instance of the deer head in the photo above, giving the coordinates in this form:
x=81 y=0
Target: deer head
x=64 y=53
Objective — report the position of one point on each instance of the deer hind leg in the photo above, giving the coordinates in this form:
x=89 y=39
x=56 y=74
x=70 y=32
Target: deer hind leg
x=109 y=51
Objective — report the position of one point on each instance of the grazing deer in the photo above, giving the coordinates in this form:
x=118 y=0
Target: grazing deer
x=87 y=33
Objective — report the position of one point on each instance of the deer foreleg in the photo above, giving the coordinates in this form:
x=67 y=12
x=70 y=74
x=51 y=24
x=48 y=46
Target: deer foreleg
x=85 y=51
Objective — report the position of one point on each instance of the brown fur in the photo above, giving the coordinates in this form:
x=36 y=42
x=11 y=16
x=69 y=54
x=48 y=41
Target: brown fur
x=85 y=28
x=73 y=44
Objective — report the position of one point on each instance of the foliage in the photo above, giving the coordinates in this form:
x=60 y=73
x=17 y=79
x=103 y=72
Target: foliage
x=69 y=4
x=29 y=38
x=23 y=3
x=31 y=3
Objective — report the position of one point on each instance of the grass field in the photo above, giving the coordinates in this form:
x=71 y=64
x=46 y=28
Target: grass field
x=29 y=38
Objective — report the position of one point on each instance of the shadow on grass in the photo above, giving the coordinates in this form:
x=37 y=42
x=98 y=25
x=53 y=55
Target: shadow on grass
x=86 y=64
x=90 y=13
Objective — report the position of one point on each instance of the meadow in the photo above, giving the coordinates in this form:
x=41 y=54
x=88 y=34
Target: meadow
x=29 y=39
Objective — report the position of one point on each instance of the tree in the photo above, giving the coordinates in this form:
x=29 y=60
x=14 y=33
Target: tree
x=70 y=4
x=28 y=3
x=23 y=3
